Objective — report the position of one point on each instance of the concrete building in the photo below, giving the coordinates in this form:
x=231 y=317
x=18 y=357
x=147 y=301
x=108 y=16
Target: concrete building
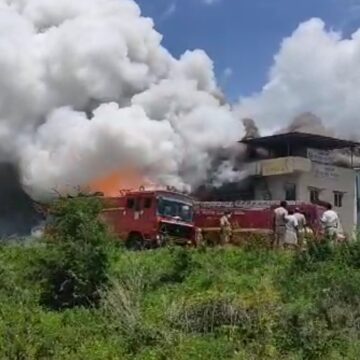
x=304 y=167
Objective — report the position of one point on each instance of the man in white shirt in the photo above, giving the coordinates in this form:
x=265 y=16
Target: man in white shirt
x=291 y=228
x=330 y=221
x=300 y=217
x=279 y=225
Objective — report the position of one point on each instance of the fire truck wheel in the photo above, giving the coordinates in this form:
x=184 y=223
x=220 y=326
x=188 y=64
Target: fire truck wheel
x=135 y=242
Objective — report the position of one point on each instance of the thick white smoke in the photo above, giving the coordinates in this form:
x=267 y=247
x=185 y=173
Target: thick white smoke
x=316 y=70
x=86 y=88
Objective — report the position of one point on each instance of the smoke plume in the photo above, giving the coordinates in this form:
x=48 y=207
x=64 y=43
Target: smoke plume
x=308 y=122
x=87 y=89
x=251 y=129
x=316 y=70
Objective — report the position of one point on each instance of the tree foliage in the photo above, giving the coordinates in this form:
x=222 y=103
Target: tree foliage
x=77 y=262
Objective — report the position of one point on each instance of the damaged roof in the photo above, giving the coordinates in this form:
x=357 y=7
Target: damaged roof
x=299 y=139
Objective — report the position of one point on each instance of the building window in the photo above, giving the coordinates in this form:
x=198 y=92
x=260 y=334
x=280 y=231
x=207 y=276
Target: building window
x=314 y=195
x=338 y=198
x=290 y=192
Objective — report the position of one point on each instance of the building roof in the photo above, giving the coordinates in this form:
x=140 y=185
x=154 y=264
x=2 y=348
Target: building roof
x=301 y=139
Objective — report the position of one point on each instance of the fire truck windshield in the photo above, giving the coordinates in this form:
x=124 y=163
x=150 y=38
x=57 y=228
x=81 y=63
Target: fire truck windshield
x=175 y=209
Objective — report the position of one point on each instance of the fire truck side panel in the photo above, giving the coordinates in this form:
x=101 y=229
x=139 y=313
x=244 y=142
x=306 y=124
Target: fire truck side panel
x=241 y=219
x=247 y=221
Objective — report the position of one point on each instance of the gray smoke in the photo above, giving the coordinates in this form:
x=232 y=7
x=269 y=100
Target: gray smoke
x=308 y=122
x=251 y=129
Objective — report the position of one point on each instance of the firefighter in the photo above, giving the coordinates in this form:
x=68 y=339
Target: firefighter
x=225 y=228
x=301 y=219
x=330 y=221
x=198 y=237
x=279 y=225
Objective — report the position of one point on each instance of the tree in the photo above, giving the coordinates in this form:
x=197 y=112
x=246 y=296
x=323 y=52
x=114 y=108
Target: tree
x=76 y=264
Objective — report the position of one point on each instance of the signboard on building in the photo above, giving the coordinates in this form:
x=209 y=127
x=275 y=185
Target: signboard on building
x=277 y=167
x=326 y=172
x=321 y=156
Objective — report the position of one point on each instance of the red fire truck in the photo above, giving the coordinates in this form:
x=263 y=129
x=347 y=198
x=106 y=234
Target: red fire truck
x=148 y=218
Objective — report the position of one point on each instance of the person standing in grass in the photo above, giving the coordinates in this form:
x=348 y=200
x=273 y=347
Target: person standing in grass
x=330 y=221
x=301 y=219
x=225 y=228
x=291 y=230
x=279 y=225
x=199 y=239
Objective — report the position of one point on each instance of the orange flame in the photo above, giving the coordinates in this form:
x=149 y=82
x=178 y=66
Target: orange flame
x=111 y=184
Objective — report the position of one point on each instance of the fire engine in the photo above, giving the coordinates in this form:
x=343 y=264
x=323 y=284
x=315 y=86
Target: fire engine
x=149 y=218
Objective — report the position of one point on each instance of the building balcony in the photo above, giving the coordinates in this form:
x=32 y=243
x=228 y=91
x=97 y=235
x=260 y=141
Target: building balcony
x=279 y=166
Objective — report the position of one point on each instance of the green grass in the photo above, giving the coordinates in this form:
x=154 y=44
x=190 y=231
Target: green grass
x=182 y=304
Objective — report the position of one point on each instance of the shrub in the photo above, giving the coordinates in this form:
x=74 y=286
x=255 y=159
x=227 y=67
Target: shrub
x=315 y=253
x=340 y=306
x=349 y=254
x=77 y=261
x=122 y=307
x=256 y=242
x=305 y=332
x=181 y=266
x=205 y=315
x=208 y=314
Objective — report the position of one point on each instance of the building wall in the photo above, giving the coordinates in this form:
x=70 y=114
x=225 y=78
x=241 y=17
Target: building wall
x=332 y=179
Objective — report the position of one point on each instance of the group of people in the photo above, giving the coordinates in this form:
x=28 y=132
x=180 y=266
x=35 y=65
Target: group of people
x=291 y=227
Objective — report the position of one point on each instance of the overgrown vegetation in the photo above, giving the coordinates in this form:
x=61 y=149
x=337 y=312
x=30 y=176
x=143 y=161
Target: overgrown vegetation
x=173 y=303
x=76 y=265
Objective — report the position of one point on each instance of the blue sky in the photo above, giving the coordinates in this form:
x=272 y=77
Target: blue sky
x=242 y=35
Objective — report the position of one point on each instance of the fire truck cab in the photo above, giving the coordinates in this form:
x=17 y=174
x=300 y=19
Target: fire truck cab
x=145 y=219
